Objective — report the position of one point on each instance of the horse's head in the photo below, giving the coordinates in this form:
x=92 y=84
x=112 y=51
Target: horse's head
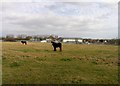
x=52 y=42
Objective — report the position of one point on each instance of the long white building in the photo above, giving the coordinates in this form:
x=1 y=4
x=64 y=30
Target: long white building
x=72 y=40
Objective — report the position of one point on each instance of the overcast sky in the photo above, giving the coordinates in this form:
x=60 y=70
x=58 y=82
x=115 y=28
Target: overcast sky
x=66 y=19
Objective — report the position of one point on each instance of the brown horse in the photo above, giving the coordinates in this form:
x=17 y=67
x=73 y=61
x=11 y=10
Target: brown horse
x=56 y=45
x=24 y=42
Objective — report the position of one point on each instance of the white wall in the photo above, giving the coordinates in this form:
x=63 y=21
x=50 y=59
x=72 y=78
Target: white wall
x=72 y=40
x=80 y=40
x=65 y=40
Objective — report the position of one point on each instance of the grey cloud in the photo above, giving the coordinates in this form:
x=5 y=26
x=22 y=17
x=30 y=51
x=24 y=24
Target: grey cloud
x=52 y=23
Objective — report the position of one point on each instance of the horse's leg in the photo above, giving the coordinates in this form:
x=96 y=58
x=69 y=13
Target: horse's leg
x=54 y=48
x=25 y=43
x=60 y=48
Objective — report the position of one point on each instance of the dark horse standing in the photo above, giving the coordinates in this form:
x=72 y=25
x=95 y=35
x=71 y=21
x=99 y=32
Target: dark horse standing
x=56 y=45
x=24 y=42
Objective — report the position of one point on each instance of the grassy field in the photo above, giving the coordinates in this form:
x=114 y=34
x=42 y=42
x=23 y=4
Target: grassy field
x=37 y=63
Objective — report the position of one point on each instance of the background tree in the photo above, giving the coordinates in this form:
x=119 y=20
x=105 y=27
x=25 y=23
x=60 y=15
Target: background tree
x=9 y=38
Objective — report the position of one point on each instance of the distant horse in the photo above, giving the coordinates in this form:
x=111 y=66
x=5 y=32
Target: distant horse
x=56 y=45
x=24 y=42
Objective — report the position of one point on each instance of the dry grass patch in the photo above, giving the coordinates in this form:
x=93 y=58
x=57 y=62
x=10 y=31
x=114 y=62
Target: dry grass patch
x=37 y=63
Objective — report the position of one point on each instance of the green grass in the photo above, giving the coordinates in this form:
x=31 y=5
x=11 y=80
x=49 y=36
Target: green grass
x=37 y=63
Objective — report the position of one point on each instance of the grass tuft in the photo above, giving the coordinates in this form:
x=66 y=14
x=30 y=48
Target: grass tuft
x=66 y=59
x=15 y=64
